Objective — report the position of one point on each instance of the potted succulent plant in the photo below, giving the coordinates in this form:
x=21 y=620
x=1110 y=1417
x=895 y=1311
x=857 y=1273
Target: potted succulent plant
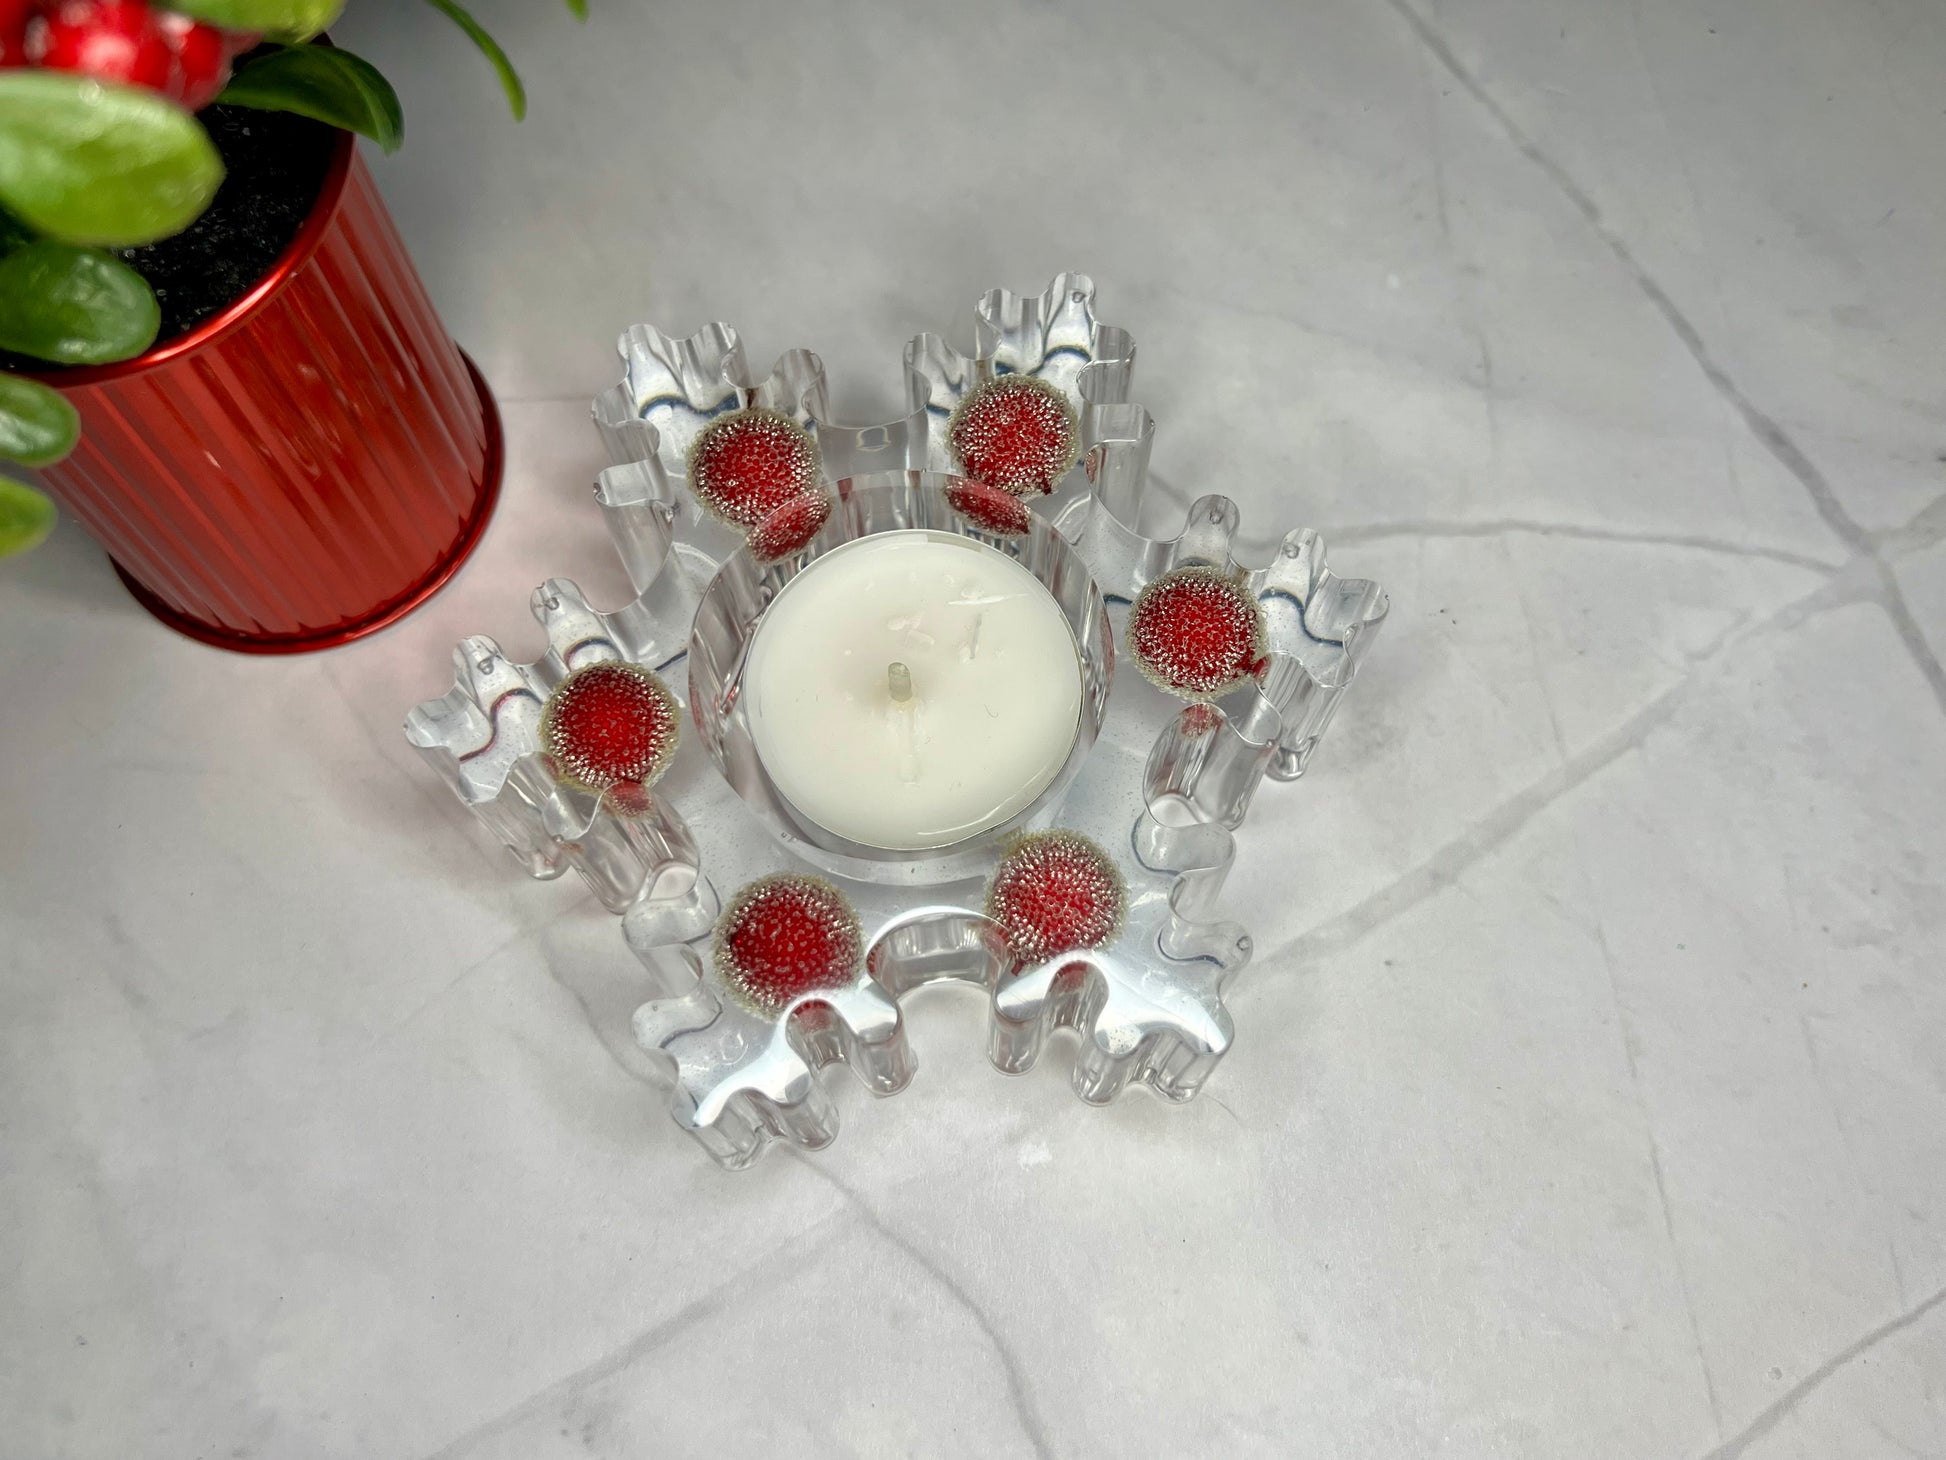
x=215 y=349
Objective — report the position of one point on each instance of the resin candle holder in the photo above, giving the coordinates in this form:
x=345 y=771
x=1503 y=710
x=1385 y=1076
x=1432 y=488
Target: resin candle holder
x=775 y=948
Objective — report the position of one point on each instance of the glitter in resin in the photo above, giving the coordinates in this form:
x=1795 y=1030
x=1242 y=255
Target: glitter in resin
x=746 y=465
x=991 y=509
x=1197 y=633
x=1016 y=432
x=629 y=798
x=1199 y=720
x=790 y=526
x=1055 y=892
x=786 y=936
x=610 y=725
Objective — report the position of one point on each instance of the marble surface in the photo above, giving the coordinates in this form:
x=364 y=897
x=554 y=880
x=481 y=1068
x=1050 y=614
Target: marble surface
x=1590 y=1090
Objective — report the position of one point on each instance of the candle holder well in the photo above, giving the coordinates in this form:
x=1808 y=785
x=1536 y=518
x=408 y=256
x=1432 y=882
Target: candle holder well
x=732 y=609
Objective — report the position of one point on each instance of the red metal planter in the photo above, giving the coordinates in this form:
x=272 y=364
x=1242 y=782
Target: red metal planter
x=305 y=467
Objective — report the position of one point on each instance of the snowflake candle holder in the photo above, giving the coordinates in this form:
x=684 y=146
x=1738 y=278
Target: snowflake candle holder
x=779 y=946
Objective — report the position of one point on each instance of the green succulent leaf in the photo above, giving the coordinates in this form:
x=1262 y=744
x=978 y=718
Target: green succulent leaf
x=93 y=163
x=277 y=20
x=580 y=8
x=324 y=82
x=37 y=425
x=26 y=517
x=490 y=48
x=75 y=306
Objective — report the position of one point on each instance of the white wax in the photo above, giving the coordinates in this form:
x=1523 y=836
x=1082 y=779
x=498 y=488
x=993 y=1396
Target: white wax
x=995 y=689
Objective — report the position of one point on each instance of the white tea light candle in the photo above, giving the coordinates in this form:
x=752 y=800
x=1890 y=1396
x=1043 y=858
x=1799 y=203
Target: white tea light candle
x=911 y=689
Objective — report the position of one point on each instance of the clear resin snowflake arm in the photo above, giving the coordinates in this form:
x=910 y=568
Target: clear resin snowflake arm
x=1319 y=626
x=744 y=1055
x=483 y=738
x=1053 y=337
x=740 y=1079
x=672 y=388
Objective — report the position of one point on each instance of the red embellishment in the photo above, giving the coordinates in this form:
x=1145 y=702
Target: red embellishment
x=629 y=798
x=746 y=465
x=786 y=936
x=790 y=526
x=993 y=508
x=1015 y=432
x=1055 y=892
x=1199 y=720
x=1197 y=633
x=610 y=724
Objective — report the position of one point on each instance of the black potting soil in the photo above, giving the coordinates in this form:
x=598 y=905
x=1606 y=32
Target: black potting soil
x=275 y=164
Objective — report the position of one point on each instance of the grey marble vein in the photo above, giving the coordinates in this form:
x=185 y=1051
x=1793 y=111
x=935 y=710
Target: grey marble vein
x=1768 y=431
x=1445 y=866
x=1576 y=531
x=1019 y=1387
x=561 y=1395
x=1776 y=1412
x=1627 y=1042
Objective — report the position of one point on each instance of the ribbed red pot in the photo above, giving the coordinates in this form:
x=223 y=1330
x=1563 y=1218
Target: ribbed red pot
x=305 y=467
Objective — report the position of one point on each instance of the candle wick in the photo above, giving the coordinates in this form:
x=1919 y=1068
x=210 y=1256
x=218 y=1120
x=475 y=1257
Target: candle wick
x=970 y=650
x=898 y=679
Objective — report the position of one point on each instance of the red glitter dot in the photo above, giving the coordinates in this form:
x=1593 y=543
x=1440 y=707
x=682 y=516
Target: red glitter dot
x=1016 y=433
x=998 y=511
x=629 y=798
x=1199 y=720
x=790 y=526
x=1197 y=633
x=746 y=465
x=1055 y=892
x=786 y=936
x=609 y=724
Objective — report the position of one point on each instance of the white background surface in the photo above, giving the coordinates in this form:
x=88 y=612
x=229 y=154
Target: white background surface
x=1590 y=1090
